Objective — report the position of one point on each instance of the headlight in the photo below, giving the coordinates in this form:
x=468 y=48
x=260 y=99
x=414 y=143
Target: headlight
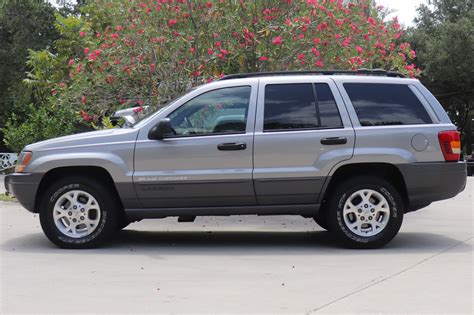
x=23 y=161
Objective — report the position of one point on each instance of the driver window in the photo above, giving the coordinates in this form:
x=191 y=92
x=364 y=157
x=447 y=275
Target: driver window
x=221 y=111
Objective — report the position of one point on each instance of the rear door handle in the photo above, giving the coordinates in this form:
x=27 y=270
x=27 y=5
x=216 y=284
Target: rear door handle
x=334 y=140
x=234 y=146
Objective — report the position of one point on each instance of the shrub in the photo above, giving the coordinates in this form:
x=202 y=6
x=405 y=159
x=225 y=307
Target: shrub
x=41 y=124
x=130 y=53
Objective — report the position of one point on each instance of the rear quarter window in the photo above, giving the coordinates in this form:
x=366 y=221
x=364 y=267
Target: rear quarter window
x=378 y=104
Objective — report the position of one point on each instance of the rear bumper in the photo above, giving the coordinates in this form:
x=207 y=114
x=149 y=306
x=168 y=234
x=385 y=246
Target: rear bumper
x=428 y=182
x=24 y=187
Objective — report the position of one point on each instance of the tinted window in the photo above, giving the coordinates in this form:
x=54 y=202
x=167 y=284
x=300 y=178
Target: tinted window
x=289 y=106
x=215 y=112
x=386 y=104
x=327 y=107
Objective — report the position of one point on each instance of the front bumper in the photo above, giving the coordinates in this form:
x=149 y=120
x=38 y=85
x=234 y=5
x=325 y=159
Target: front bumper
x=428 y=182
x=24 y=187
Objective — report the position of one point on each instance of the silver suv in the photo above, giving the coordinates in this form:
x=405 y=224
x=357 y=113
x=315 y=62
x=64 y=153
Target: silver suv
x=355 y=151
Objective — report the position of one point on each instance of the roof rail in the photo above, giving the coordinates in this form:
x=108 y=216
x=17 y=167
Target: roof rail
x=379 y=72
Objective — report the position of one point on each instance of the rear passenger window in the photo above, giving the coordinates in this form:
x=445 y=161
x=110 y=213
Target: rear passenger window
x=289 y=106
x=386 y=104
x=328 y=111
x=294 y=107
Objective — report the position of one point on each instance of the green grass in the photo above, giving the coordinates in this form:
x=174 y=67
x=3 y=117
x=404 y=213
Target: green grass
x=4 y=197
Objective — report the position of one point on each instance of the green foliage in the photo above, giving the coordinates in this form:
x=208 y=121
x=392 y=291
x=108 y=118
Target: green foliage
x=24 y=24
x=41 y=123
x=124 y=53
x=4 y=197
x=128 y=53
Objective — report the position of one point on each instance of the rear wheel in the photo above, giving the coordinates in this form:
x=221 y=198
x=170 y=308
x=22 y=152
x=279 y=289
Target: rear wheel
x=77 y=212
x=365 y=212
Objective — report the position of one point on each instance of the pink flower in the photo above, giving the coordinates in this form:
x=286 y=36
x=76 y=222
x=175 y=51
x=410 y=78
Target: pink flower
x=277 y=40
x=115 y=36
x=140 y=103
x=300 y=57
x=315 y=52
x=172 y=22
x=152 y=67
x=83 y=99
x=92 y=57
x=359 y=49
x=263 y=58
x=410 y=67
x=346 y=42
x=82 y=34
x=209 y=5
x=210 y=51
x=84 y=115
x=224 y=51
x=53 y=92
x=62 y=84
x=71 y=62
x=119 y=28
x=316 y=40
x=97 y=52
x=86 y=50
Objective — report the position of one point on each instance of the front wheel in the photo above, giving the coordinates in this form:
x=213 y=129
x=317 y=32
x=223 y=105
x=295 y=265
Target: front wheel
x=365 y=212
x=77 y=212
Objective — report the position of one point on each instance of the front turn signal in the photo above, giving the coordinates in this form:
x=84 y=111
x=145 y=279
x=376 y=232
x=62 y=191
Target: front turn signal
x=23 y=161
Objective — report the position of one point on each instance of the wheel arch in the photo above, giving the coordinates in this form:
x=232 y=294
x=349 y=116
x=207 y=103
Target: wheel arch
x=96 y=172
x=386 y=171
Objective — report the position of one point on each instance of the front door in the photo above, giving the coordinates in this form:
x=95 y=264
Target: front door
x=208 y=161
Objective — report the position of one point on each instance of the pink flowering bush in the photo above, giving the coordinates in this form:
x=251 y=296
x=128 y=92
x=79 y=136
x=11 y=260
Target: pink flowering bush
x=136 y=53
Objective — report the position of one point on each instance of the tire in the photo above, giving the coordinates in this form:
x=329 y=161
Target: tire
x=96 y=216
x=356 y=201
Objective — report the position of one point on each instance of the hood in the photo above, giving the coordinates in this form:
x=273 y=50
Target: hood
x=91 y=138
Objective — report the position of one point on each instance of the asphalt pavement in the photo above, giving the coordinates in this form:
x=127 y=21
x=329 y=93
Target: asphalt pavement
x=242 y=265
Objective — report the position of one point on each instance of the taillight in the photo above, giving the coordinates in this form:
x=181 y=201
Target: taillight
x=450 y=145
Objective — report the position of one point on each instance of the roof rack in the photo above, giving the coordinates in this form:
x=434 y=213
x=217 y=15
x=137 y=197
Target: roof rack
x=378 y=72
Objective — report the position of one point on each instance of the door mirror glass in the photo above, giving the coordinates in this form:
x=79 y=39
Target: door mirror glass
x=161 y=130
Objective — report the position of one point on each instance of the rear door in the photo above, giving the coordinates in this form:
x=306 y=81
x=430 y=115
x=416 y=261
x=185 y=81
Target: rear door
x=302 y=130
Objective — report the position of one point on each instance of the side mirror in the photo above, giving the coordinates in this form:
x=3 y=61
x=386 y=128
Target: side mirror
x=161 y=130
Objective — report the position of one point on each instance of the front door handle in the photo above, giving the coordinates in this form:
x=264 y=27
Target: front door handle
x=334 y=140
x=234 y=146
